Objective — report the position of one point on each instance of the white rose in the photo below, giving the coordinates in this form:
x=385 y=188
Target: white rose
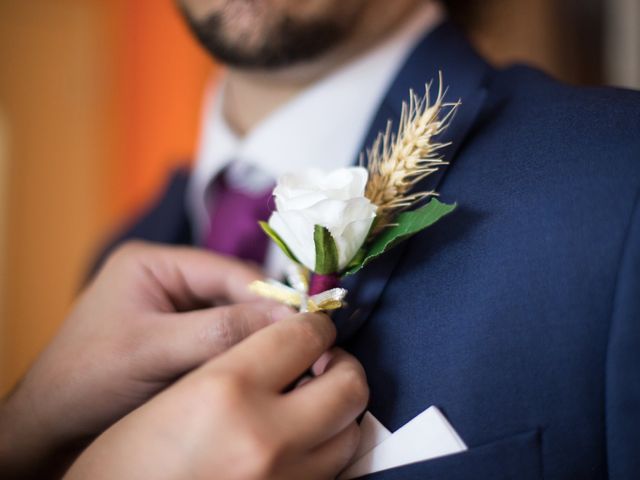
x=334 y=200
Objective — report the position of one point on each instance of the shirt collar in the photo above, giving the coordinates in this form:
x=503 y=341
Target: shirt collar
x=324 y=126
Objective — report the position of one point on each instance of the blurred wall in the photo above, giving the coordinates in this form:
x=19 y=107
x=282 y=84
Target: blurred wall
x=562 y=37
x=4 y=183
x=51 y=90
x=100 y=99
x=622 y=43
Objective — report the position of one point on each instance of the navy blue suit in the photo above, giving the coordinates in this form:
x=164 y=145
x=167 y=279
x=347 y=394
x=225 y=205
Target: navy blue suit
x=519 y=314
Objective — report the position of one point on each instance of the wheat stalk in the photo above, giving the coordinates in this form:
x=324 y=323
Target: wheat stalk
x=397 y=162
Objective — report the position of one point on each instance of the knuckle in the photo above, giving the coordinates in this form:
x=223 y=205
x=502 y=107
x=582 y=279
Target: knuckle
x=126 y=252
x=131 y=248
x=223 y=333
x=345 y=447
x=352 y=439
x=263 y=454
x=246 y=319
x=354 y=386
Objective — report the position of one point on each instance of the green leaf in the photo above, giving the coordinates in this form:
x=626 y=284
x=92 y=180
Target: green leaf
x=358 y=258
x=406 y=225
x=326 y=251
x=276 y=238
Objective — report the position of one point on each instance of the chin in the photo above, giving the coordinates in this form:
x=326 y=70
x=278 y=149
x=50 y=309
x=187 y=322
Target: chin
x=269 y=33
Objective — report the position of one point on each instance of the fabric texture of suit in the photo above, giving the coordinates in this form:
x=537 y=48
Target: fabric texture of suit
x=518 y=315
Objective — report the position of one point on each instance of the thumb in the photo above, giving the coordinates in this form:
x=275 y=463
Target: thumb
x=184 y=341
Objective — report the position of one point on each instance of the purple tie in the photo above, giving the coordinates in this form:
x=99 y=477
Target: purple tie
x=234 y=215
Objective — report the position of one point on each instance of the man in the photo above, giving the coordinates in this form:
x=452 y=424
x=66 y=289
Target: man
x=518 y=315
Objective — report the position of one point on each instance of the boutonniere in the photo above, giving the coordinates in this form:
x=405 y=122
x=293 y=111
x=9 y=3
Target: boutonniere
x=332 y=224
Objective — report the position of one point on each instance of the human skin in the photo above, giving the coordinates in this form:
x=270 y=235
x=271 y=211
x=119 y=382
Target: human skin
x=235 y=418
x=144 y=321
x=247 y=28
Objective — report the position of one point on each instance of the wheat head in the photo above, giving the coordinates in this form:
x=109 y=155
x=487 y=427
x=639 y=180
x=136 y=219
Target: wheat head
x=397 y=162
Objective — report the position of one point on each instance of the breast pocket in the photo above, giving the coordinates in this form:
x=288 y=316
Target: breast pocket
x=516 y=457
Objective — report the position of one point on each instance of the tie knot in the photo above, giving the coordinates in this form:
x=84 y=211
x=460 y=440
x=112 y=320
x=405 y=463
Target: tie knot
x=234 y=214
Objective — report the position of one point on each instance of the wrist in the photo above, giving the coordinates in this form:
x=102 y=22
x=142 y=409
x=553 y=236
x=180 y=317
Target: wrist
x=27 y=449
x=19 y=447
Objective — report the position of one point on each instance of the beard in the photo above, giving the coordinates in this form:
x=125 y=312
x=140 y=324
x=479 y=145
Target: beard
x=269 y=44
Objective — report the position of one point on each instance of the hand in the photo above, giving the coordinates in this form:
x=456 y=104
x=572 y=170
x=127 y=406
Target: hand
x=132 y=332
x=231 y=420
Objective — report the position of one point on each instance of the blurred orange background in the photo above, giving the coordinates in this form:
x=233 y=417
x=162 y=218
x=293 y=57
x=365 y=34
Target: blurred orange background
x=98 y=100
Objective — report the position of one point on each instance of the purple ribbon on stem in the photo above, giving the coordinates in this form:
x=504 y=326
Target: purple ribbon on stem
x=321 y=283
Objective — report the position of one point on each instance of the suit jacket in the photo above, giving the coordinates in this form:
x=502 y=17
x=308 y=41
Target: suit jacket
x=519 y=314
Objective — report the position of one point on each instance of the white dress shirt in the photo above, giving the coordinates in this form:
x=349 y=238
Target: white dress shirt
x=323 y=126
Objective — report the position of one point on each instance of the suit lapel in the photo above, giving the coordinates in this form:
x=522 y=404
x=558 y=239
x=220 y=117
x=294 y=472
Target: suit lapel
x=464 y=72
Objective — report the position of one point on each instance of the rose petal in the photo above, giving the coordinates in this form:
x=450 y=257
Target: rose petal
x=353 y=236
x=334 y=200
x=297 y=233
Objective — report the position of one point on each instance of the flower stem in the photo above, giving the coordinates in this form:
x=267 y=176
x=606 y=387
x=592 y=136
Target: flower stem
x=320 y=283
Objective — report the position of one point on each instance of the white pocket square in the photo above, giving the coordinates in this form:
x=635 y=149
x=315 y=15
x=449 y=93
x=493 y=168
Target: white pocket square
x=427 y=436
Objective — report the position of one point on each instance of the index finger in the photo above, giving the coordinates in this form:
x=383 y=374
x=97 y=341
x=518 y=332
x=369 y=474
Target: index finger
x=193 y=277
x=277 y=355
